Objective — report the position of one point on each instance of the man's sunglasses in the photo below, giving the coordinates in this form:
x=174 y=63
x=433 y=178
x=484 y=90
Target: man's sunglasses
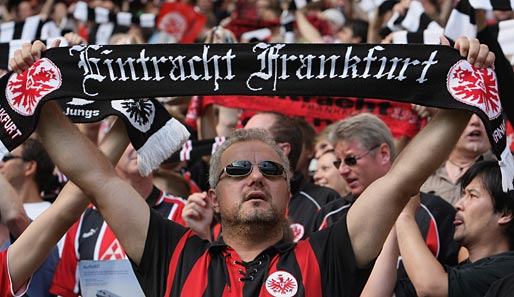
x=243 y=168
x=352 y=160
x=10 y=156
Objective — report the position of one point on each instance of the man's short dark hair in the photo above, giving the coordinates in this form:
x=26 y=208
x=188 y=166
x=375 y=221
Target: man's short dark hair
x=360 y=29
x=286 y=130
x=33 y=150
x=489 y=173
x=308 y=131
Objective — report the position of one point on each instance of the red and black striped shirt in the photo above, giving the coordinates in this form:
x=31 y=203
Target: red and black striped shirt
x=176 y=262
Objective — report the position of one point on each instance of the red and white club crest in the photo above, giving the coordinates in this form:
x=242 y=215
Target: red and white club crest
x=298 y=231
x=476 y=87
x=281 y=284
x=24 y=91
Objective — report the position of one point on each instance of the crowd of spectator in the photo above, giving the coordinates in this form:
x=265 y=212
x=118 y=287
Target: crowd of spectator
x=391 y=199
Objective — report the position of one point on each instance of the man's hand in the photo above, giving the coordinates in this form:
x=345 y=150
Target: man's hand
x=412 y=206
x=198 y=214
x=28 y=55
x=74 y=39
x=476 y=54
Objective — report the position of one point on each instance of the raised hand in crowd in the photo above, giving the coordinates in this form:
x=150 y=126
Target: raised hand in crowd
x=198 y=214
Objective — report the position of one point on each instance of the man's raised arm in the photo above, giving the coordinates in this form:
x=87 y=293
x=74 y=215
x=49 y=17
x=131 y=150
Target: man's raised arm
x=35 y=244
x=80 y=160
x=381 y=203
x=12 y=213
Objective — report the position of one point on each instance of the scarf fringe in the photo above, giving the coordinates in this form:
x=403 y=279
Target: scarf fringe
x=507 y=168
x=161 y=145
x=3 y=150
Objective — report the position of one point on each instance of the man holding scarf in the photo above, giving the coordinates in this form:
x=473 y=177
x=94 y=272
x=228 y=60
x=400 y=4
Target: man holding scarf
x=170 y=259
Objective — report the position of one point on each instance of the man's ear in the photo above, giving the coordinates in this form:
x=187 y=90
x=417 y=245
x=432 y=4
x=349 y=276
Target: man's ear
x=213 y=200
x=506 y=218
x=286 y=147
x=385 y=153
x=30 y=168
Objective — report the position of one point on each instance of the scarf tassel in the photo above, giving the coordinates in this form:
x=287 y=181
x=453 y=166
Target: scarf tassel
x=507 y=168
x=161 y=145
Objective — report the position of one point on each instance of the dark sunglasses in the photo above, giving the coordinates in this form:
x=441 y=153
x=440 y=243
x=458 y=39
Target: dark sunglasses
x=352 y=160
x=10 y=156
x=243 y=168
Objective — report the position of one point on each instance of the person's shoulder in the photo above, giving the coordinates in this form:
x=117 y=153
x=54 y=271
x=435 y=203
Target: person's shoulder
x=170 y=198
x=502 y=287
x=323 y=195
x=500 y=261
x=338 y=204
x=431 y=200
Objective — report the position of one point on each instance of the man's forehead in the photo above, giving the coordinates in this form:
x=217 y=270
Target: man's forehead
x=347 y=146
x=18 y=150
x=249 y=150
x=261 y=121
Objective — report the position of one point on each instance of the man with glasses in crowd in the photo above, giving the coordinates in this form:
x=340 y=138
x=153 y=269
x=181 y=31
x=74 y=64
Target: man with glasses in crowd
x=307 y=198
x=365 y=150
x=251 y=258
x=29 y=170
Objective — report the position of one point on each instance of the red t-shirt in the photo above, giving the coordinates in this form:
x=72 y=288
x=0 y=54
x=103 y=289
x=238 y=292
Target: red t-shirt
x=5 y=279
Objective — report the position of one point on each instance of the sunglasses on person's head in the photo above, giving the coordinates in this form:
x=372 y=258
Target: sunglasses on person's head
x=243 y=168
x=352 y=160
x=10 y=156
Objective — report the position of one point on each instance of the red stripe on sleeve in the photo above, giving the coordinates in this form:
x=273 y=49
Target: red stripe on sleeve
x=174 y=260
x=309 y=265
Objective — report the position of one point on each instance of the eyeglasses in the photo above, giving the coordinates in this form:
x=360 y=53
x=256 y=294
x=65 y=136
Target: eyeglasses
x=10 y=156
x=243 y=168
x=352 y=160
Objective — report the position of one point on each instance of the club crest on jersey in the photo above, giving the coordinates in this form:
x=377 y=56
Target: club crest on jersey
x=298 y=231
x=281 y=284
x=140 y=113
x=475 y=87
x=25 y=90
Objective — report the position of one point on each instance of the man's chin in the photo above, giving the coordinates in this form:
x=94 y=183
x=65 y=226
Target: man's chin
x=259 y=216
x=458 y=239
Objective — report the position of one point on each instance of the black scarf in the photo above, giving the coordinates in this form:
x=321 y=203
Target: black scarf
x=152 y=131
x=429 y=75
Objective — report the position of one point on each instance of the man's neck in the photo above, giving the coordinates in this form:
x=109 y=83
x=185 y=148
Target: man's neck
x=463 y=157
x=143 y=185
x=493 y=247
x=29 y=193
x=250 y=243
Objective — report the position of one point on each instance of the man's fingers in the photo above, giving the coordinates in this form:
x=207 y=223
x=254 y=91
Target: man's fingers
x=197 y=199
x=444 y=40
x=462 y=45
x=482 y=56
x=35 y=51
x=19 y=61
x=489 y=61
x=473 y=51
x=12 y=62
x=56 y=43
x=193 y=214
